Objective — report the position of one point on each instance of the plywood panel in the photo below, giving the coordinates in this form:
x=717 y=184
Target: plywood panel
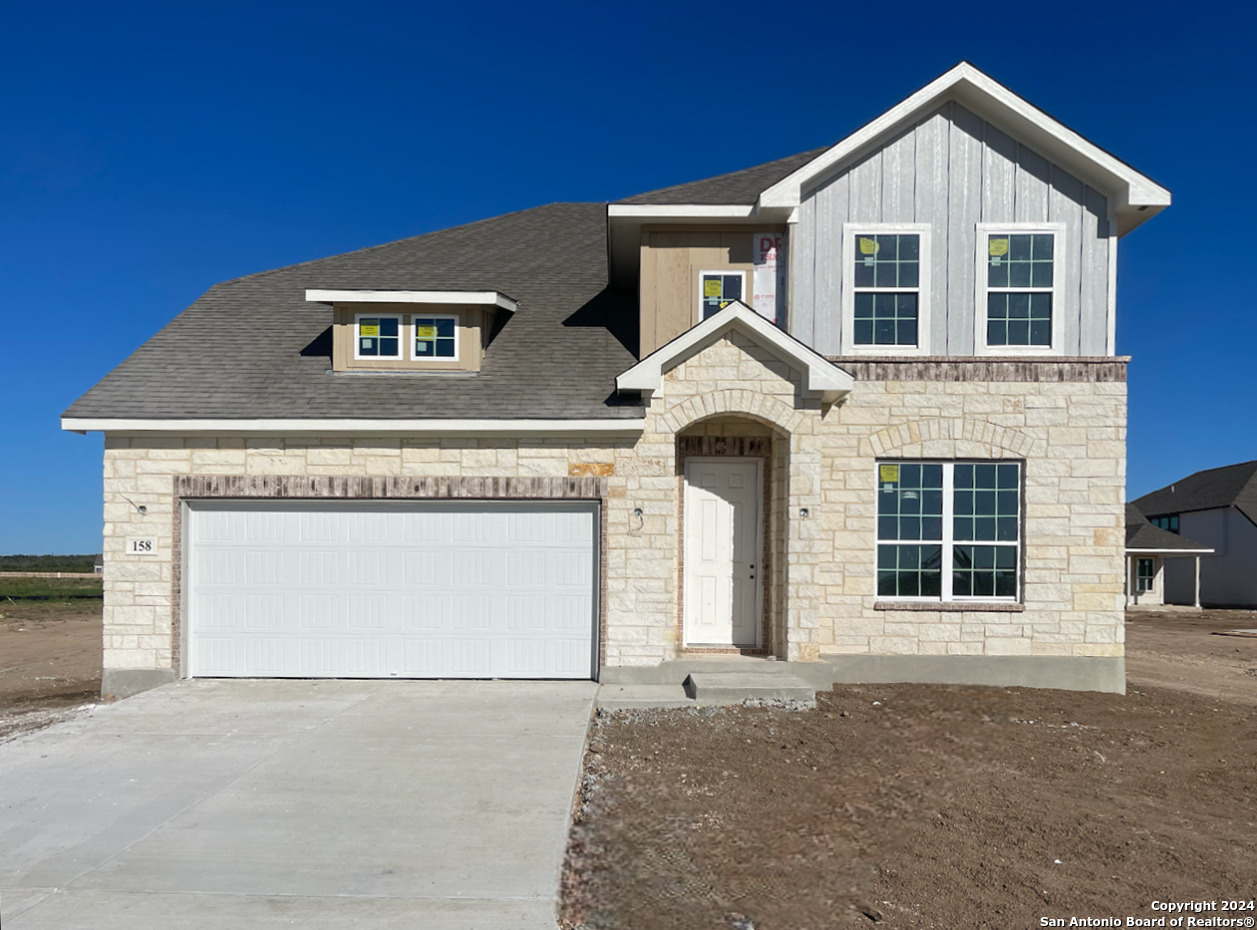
x=675 y=303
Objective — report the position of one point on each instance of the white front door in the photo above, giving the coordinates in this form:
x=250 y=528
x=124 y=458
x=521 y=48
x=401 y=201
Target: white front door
x=722 y=552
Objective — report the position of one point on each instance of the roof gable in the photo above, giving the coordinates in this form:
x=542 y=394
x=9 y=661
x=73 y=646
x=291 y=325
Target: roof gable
x=820 y=376
x=1136 y=197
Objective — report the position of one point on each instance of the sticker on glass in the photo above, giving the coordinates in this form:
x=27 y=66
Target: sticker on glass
x=369 y=328
x=425 y=332
x=998 y=247
x=890 y=472
x=869 y=246
x=712 y=287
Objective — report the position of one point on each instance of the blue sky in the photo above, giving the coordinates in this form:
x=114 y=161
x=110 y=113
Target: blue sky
x=150 y=150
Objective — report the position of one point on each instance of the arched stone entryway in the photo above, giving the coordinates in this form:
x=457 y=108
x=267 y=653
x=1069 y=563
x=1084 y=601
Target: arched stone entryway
x=729 y=445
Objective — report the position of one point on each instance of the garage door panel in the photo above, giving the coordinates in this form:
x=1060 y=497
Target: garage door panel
x=376 y=590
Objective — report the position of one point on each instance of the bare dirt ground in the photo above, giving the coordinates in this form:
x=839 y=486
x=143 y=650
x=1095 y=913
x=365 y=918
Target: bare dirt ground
x=932 y=807
x=50 y=657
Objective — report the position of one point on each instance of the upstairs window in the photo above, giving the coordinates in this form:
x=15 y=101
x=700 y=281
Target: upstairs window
x=718 y=289
x=885 y=288
x=377 y=336
x=436 y=337
x=1169 y=522
x=1017 y=281
x=948 y=531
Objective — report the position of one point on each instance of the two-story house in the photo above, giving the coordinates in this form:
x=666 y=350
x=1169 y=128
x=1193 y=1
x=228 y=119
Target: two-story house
x=857 y=409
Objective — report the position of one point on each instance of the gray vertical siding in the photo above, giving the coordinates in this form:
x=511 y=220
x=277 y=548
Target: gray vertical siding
x=953 y=170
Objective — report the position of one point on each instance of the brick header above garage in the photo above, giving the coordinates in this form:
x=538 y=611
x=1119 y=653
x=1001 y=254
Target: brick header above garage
x=1057 y=370
x=299 y=487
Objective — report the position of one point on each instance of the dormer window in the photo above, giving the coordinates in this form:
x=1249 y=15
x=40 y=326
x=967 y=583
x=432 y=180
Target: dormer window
x=412 y=331
x=377 y=336
x=435 y=337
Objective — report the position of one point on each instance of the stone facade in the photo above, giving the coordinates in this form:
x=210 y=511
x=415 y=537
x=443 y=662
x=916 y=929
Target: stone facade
x=820 y=597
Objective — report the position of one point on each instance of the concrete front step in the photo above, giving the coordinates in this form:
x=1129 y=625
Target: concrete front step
x=734 y=687
x=636 y=697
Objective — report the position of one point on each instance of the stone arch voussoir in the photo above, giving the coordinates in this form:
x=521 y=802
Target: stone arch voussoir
x=951 y=439
x=752 y=404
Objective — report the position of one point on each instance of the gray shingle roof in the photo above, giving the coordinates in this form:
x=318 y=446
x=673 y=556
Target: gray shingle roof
x=254 y=348
x=739 y=187
x=1230 y=485
x=1140 y=534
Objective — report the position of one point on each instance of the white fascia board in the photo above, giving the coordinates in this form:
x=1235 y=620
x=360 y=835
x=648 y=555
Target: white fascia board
x=1170 y=551
x=493 y=298
x=427 y=427
x=820 y=376
x=971 y=87
x=680 y=211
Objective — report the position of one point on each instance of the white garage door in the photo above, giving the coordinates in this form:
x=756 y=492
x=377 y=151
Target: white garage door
x=381 y=590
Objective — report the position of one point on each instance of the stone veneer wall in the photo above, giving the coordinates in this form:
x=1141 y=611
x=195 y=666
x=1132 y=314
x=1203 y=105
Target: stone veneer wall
x=1070 y=433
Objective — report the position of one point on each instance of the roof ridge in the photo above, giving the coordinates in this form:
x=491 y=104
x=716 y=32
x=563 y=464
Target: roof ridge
x=727 y=174
x=383 y=245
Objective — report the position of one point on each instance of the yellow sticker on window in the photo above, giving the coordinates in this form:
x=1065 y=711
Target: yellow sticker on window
x=369 y=328
x=890 y=472
x=712 y=287
x=868 y=246
x=425 y=332
x=998 y=247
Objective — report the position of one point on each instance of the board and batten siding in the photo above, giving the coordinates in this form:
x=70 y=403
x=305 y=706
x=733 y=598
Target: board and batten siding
x=953 y=170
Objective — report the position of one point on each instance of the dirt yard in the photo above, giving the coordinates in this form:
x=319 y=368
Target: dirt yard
x=50 y=655
x=933 y=807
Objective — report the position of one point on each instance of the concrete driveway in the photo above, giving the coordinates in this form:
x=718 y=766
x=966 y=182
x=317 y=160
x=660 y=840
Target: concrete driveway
x=313 y=804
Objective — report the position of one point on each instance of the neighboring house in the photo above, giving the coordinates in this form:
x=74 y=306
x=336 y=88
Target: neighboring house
x=858 y=408
x=98 y=566
x=1218 y=507
x=1148 y=550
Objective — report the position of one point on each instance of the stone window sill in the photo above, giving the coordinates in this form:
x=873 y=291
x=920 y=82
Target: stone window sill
x=952 y=607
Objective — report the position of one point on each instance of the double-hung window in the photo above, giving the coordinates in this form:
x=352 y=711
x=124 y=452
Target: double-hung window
x=1018 y=288
x=1145 y=575
x=377 y=336
x=948 y=531
x=886 y=288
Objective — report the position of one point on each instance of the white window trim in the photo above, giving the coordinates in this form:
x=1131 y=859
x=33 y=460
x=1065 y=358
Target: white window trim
x=948 y=541
x=1154 y=578
x=410 y=328
x=745 y=298
x=1059 y=256
x=849 y=232
x=401 y=336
